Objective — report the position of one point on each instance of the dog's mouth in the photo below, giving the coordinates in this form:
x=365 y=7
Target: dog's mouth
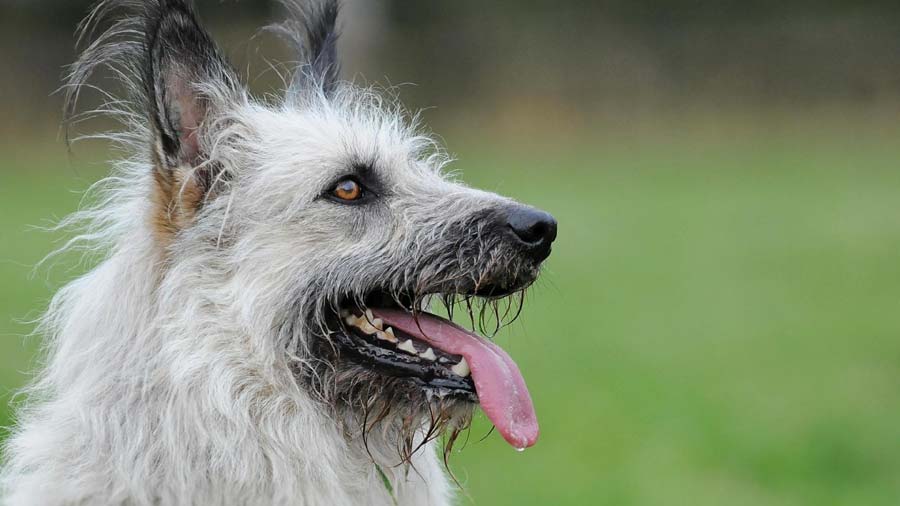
x=442 y=358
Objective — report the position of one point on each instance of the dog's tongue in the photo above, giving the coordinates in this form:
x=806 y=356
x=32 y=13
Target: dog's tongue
x=502 y=393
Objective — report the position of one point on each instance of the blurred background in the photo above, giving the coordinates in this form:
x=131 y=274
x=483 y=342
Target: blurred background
x=720 y=321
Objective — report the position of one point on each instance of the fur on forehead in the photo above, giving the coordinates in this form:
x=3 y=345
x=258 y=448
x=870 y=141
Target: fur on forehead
x=353 y=127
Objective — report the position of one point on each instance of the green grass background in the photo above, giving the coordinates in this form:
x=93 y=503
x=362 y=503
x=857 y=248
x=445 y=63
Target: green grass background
x=719 y=323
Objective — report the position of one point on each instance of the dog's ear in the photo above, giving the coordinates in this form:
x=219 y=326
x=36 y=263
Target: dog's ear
x=311 y=29
x=186 y=77
x=173 y=73
x=187 y=82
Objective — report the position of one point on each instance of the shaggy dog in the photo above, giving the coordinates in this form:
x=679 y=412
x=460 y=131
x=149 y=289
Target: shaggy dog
x=256 y=332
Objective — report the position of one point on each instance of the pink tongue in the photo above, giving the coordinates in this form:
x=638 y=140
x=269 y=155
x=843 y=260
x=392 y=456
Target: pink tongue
x=501 y=389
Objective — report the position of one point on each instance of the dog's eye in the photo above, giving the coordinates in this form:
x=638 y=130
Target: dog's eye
x=348 y=190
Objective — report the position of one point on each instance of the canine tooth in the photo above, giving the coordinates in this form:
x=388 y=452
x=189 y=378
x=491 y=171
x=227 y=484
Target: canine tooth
x=350 y=319
x=461 y=369
x=369 y=315
x=407 y=346
x=387 y=335
x=378 y=324
x=428 y=355
x=384 y=336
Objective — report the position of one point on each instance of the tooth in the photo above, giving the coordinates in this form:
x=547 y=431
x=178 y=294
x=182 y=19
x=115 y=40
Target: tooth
x=407 y=346
x=365 y=326
x=378 y=324
x=369 y=315
x=350 y=319
x=461 y=369
x=428 y=355
x=387 y=335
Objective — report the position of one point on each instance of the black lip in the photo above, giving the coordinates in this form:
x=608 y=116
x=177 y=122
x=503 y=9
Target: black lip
x=495 y=291
x=399 y=365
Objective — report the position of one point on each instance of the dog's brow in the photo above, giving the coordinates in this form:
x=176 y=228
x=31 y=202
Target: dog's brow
x=363 y=169
x=368 y=174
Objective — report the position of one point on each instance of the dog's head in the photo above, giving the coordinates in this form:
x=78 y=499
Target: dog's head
x=331 y=223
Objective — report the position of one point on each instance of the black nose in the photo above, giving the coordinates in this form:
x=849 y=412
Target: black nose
x=533 y=228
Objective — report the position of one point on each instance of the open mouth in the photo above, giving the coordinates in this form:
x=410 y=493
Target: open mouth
x=442 y=358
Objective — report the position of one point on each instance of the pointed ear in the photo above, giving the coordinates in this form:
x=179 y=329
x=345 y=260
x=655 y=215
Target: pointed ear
x=311 y=29
x=186 y=77
x=172 y=72
x=186 y=83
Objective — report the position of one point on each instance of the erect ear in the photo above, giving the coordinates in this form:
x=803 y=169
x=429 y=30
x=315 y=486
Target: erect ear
x=186 y=76
x=186 y=80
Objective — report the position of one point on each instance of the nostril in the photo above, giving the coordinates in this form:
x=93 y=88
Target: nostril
x=532 y=226
x=534 y=233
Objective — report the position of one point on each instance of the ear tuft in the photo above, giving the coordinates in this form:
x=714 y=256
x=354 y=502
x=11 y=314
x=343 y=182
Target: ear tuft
x=185 y=75
x=311 y=29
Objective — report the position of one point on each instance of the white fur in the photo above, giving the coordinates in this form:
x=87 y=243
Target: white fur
x=163 y=384
x=169 y=379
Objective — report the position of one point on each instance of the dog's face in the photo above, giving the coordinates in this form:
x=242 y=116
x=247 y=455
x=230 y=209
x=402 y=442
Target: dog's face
x=336 y=223
x=356 y=227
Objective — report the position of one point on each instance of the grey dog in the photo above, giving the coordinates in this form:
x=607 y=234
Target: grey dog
x=257 y=330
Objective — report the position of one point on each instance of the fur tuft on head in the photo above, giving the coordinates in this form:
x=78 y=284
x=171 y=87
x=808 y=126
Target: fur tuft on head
x=311 y=29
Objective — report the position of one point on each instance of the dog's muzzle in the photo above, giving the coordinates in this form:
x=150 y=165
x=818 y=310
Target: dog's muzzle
x=389 y=332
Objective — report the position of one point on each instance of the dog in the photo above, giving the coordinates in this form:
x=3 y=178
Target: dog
x=257 y=329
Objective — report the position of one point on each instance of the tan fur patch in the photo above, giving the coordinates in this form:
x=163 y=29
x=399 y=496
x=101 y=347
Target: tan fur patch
x=177 y=196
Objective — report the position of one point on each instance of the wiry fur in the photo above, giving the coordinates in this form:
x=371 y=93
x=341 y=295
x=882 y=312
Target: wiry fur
x=192 y=365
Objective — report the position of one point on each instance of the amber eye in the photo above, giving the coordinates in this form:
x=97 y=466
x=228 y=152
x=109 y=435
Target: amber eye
x=347 y=189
